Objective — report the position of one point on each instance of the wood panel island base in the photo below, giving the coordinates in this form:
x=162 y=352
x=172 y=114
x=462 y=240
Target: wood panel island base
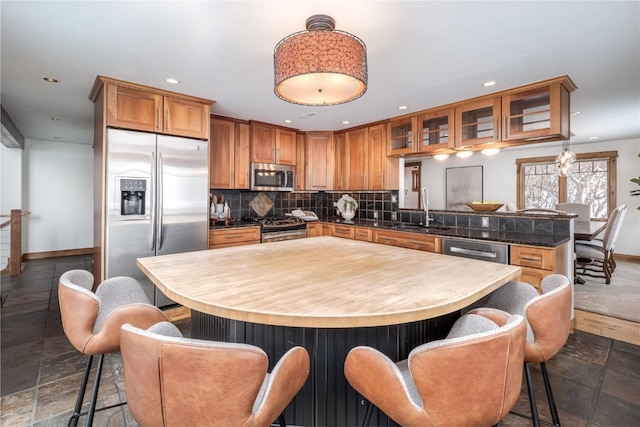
x=329 y=295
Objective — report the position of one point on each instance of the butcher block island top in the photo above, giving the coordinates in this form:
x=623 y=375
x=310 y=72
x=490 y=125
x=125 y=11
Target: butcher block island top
x=324 y=282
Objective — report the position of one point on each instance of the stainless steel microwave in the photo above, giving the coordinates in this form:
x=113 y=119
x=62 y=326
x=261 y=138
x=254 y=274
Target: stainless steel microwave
x=272 y=177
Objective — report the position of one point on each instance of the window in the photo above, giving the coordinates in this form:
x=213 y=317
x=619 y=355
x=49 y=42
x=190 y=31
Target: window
x=592 y=181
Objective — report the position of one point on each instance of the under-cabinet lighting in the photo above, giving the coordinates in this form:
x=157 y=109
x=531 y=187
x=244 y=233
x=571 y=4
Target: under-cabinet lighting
x=441 y=156
x=464 y=154
x=490 y=151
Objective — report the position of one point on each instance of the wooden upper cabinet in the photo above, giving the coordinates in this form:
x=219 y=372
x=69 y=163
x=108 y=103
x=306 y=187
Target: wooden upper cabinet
x=185 y=118
x=537 y=113
x=300 y=162
x=340 y=166
x=380 y=175
x=477 y=122
x=270 y=144
x=263 y=143
x=138 y=107
x=229 y=155
x=222 y=154
x=285 y=147
x=319 y=158
x=355 y=161
x=436 y=131
x=401 y=136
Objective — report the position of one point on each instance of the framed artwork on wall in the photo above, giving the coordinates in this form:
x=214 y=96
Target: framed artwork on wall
x=464 y=185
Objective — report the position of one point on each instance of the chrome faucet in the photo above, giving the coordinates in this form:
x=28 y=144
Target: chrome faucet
x=425 y=205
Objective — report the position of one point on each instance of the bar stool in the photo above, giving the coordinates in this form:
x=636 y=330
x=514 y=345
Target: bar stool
x=548 y=319
x=92 y=321
x=471 y=378
x=171 y=380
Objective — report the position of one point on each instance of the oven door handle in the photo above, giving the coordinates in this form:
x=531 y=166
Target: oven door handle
x=284 y=234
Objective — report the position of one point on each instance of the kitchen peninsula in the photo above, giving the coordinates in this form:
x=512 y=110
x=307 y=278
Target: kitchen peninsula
x=327 y=294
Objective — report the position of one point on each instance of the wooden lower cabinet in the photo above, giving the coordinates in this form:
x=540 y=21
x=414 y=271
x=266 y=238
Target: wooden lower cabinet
x=314 y=229
x=238 y=236
x=421 y=242
x=361 y=233
x=538 y=262
x=345 y=231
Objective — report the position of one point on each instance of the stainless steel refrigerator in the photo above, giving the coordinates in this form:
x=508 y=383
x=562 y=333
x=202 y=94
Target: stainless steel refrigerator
x=157 y=196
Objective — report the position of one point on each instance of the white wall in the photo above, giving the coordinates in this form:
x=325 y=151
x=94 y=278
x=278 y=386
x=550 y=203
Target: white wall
x=58 y=179
x=10 y=194
x=499 y=179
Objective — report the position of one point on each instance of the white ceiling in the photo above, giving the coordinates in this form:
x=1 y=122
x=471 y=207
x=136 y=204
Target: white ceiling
x=420 y=53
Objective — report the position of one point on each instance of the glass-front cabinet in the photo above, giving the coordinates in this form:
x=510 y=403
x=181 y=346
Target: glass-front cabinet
x=402 y=135
x=540 y=112
x=435 y=130
x=477 y=122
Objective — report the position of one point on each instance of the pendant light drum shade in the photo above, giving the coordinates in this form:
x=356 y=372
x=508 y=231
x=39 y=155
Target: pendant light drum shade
x=320 y=66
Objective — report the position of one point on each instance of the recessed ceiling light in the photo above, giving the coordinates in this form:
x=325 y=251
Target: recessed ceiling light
x=593 y=137
x=345 y=122
x=287 y=121
x=173 y=81
x=402 y=107
x=464 y=154
x=575 y=113
x=50 y=80
x=55 y=119
x=441 y=156
x=56 y=137
x=489 y=83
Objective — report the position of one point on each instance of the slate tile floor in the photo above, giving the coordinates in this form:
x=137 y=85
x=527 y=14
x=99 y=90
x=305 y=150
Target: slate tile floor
x=596 y=380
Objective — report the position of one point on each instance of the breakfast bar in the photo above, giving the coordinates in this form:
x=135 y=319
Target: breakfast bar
x=329 y=295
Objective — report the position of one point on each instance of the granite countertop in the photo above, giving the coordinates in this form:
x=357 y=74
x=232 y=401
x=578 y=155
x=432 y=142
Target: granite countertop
x=232 y=224
x=512 y=237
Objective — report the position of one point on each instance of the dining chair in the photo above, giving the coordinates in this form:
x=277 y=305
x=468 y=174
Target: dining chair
x=595 y=257
x=91 y=321
x=548 y=318
x=582 y=209
x=175 y=381
x=472 y=377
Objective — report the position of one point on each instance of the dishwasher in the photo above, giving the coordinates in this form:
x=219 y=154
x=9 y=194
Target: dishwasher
x=474 y=249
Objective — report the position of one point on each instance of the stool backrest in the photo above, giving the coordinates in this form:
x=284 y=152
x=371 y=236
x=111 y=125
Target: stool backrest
x=582 y=209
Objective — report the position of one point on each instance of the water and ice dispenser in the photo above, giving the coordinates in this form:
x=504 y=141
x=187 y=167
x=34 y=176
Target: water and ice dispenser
x=133 y=193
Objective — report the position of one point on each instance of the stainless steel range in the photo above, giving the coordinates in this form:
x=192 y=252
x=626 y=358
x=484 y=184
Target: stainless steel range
x=278 y=228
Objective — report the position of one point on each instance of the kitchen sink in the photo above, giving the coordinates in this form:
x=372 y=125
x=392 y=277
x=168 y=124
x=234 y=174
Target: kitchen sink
x=416 y=227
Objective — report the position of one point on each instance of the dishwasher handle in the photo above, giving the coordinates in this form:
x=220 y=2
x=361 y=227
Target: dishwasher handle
x=465 y=251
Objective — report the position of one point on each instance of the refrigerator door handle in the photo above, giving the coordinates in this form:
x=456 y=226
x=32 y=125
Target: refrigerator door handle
x=160 y=203
x=152 y=190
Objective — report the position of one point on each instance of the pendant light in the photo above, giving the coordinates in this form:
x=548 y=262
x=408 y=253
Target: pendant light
x=565 y=160
x=320 y=66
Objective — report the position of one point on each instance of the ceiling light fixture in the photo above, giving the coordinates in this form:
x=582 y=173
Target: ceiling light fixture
x=490 y=151
x=464 y=154
x=50 y=80
x=489 y=83
x=172 y=81
x=320 y=66
x=345 y=122
x=441 y=156
x=402 y=107
x=565 y=160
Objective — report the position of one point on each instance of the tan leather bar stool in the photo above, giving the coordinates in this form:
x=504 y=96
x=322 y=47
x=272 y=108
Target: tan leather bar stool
x=171 y=380
x=548 y=319
x=92 y=321
x=471 y=378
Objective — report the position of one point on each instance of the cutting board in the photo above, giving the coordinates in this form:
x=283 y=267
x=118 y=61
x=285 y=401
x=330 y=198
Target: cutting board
x=261 y=204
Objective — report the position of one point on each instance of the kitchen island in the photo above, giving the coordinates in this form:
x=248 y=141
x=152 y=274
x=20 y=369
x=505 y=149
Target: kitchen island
x=327 y=294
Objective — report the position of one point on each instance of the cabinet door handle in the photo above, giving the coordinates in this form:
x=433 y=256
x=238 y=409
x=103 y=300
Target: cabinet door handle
x=159 y=119
x=531 y=257
x=391 y=239
x=168 y=120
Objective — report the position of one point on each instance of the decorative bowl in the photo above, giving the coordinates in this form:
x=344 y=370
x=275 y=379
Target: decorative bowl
x=485 y=207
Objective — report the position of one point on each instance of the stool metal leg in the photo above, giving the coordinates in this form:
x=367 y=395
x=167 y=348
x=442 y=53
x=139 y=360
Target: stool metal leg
x=367 y=414
x=94 y=396
x=73 y=420
x=552 y=402
x=532 y=397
